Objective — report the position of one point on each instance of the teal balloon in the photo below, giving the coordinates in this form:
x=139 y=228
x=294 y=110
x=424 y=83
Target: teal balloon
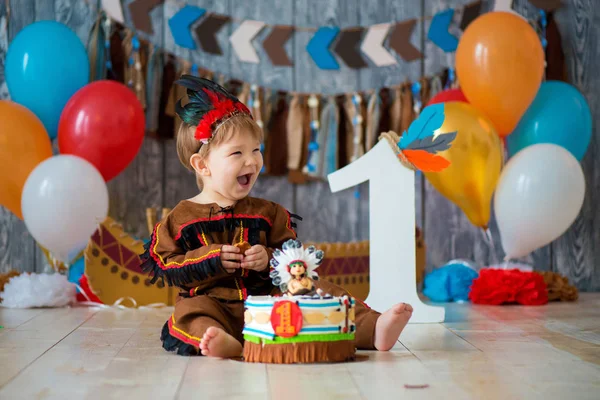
x=76 y=271
x=46 y=63
x=560 y=115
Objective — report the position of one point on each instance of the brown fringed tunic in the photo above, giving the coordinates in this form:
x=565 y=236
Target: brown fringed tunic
x=185 y=251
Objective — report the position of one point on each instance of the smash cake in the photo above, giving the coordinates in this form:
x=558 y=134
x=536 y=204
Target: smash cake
x=304 y=324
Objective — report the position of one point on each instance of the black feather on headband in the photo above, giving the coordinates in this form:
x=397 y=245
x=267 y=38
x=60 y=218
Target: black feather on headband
x=209 y=103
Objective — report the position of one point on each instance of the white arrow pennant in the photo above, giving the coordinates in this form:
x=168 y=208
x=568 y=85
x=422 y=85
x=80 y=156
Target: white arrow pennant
x=372 y=45
x=241 y=40
x=506 y=6
x=114 y=10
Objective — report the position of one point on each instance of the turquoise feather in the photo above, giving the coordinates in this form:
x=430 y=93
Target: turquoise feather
x=430 y=119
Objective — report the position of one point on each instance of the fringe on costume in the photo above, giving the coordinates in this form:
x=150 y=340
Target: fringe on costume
x=189 y=273
x=292 y=353
x=172 y=344
x=188 y=236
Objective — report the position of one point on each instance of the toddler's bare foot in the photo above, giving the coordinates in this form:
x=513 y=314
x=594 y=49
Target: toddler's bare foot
x=218 y=343
x=390 y=324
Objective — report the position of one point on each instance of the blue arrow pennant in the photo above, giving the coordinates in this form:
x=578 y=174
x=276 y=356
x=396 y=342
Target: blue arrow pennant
x=180 y=25
x=318 y=47
x=438 y=31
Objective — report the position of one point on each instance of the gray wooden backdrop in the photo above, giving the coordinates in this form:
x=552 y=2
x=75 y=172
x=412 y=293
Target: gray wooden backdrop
x=156 y=179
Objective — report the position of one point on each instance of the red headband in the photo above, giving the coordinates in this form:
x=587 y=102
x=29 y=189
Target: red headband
x=223 y=108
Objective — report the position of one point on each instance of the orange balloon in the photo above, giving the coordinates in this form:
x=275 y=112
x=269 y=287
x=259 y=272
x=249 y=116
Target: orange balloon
x=24 y=143
x=500 y=66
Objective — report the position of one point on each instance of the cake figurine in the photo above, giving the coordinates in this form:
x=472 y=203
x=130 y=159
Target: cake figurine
x=303 y=324
x=294 y=268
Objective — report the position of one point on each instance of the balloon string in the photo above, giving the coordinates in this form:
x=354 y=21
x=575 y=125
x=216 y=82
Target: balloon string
x=117 y=304
x=490 y=240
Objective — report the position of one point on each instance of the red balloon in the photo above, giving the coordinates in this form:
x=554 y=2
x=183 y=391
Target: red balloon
x=448 y=95
x=103 y=123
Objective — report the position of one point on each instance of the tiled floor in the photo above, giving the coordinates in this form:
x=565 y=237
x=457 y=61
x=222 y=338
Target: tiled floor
x=508 y=352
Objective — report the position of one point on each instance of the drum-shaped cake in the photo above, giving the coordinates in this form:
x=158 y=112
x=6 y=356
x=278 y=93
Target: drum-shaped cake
x=303 y=325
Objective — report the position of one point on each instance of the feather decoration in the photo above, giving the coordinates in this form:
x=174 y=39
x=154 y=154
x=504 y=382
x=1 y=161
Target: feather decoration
x=208 y=103
x=419 y=144
x=426 y=162
x=429 y=121
x=433 y=144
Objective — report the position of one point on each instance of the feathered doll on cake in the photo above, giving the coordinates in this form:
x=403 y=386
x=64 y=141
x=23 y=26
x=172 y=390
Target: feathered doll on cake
x=294 y=268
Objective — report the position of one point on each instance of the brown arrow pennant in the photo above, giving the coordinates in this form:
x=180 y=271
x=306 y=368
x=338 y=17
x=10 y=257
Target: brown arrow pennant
x=140 y=14
x=400 y=41
x=274 y=42
x=347 y=47
x=470 y=12
x=548 y=5
x=207 y=31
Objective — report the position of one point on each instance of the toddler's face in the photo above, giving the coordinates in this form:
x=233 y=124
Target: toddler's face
x=235 y=165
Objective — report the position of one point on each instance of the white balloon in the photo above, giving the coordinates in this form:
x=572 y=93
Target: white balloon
x=539 y=194
x=63 y=201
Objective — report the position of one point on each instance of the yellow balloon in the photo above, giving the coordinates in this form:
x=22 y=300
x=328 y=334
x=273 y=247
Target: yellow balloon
x=476 y=158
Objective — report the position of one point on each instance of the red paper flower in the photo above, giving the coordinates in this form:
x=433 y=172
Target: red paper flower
x=500 y=286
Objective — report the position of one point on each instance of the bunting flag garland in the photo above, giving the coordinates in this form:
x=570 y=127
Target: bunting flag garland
x=307 y=136
x=180 y=24
x=400 y=41
x=274 y=45
x=347 y=49
x=438 y=31
x=241 y=40
x=547 y=5
x=207 y=30
x=353 y=46
x=503 y=5
x=372 y=45
x=318 y=48
x=114 y=10
x=470 y=12
x=140 y=14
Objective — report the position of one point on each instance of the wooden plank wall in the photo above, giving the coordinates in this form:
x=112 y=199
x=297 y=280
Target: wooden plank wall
x=157 y=179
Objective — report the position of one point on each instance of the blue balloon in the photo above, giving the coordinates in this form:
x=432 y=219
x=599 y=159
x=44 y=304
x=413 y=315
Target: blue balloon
x=45 y=65
x=76 y=270
x=559 y=114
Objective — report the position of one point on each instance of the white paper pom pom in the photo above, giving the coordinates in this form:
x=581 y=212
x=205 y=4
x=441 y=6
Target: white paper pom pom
x=38 y=290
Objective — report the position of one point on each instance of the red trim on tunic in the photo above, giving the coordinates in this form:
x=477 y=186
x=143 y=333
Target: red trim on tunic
x=288 y=223
x=181 y=335
x=174 y=264
x=220 y=217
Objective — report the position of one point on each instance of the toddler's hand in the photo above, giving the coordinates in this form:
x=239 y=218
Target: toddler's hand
x=256 y=258
x=230 y=258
